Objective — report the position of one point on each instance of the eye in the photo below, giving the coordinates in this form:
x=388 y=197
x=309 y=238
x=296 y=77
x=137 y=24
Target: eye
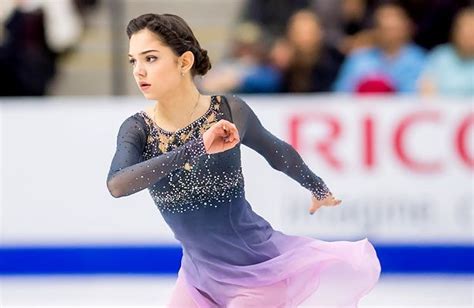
x=151 y=58
x=131 y=61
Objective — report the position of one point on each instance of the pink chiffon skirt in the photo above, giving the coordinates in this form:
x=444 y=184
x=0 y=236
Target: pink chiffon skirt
x=310 y=273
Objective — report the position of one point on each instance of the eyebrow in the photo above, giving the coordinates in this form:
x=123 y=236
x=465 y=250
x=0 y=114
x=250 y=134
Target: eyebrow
x=144 y=52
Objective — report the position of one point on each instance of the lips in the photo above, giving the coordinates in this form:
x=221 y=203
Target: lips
x=144 y=85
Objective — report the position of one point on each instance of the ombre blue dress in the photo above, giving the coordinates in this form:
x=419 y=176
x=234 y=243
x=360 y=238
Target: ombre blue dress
x=229 y=250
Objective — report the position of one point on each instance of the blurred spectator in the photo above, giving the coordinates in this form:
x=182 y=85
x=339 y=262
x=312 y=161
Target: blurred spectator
x=433 y=19
x=311 y=65
x=247 y=69
x=392 y=65
x=34 y=33
x=450 y=67
x=347 y=23
x=271 y=15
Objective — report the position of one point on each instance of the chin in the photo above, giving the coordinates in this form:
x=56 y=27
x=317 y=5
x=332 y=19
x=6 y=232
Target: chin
x=150 y=96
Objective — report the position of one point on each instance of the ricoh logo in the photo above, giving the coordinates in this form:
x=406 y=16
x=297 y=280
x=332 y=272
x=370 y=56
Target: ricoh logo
x=401 y=138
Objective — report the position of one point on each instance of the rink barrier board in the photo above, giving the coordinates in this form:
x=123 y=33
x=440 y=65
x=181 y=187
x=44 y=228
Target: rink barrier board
x=162 y=260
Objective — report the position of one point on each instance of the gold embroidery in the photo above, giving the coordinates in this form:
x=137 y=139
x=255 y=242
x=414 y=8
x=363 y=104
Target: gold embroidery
x=163 y=148
x=187 y=135
x=166 y=140
x=188 y=166
x=183 y=136
x=211 y=117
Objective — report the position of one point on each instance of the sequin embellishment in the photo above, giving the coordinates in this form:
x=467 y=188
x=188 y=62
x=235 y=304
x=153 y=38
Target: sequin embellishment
x=201 y=182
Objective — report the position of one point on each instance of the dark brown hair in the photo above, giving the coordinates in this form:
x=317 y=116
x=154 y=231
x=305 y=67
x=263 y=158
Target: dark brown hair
x=174 y=32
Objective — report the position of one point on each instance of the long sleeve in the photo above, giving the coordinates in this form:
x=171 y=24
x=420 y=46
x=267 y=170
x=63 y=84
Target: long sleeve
x=279 y=154
x=129 y=173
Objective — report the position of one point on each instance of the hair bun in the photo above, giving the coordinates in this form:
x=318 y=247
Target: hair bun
x=202 y=63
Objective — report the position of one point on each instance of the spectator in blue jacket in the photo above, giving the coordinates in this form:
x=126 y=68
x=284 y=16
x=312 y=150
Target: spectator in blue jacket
x=393 y=64
x=450 y=67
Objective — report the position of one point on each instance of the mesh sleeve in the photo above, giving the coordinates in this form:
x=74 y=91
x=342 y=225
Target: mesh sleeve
x=278 y=153
x=129 y=173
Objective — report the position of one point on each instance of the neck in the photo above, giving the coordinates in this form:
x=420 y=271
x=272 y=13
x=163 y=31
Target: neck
x=391 y=51
x=465 y=54
x=308 y=55
x=176 y=106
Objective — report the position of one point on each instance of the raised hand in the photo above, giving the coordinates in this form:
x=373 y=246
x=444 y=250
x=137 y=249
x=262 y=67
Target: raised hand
x=221 y=137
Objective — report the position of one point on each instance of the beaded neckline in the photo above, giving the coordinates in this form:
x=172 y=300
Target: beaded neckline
x=164 y=131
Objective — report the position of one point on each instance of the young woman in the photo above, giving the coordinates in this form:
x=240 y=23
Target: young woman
x=186 y=151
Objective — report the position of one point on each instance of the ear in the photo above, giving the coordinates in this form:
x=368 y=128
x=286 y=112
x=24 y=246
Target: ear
x=186 y=61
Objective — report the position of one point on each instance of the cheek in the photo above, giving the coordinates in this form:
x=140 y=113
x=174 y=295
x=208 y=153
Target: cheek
x=466 y=36
x=165 y=75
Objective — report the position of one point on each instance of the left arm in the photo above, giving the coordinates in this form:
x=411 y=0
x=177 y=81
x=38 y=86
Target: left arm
x=279 y=154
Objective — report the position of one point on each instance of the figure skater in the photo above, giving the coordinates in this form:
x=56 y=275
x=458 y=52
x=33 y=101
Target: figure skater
x=186 y=151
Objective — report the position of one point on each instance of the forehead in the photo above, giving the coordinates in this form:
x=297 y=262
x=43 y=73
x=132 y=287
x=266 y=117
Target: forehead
x=145 y=40
x=466 y=18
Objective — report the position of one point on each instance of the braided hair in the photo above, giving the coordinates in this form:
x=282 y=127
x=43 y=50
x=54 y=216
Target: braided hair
x=175 y=33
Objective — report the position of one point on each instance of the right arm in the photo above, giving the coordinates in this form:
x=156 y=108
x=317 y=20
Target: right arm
x=128 y=172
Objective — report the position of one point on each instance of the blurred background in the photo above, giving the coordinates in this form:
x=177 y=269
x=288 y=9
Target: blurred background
x=376 y=96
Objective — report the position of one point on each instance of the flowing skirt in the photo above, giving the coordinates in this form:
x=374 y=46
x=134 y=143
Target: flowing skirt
x=308 y=273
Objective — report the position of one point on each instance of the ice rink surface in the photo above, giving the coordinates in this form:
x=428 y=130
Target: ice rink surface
x=153 y=291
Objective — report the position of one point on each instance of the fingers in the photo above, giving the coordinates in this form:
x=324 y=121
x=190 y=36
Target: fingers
x=330 y=200
x=314 y=208
x=232 y=139
x=228 y=127
x=233 y=143
x=229 y=132
x=334 y=201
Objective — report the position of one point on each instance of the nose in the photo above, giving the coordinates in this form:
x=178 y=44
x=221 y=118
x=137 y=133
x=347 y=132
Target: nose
x=139 y=70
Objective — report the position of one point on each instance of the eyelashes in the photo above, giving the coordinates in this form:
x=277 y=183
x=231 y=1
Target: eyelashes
x=149 y=59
